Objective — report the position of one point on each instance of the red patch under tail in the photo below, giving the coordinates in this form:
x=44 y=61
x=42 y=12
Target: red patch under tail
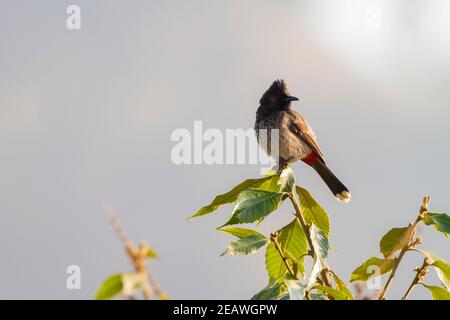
x=311 y=158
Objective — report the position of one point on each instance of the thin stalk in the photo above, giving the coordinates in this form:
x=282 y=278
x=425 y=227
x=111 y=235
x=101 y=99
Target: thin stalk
x=392 y=274
x=421 y=272
x=408 y=244
x=301 y=220
x=298 y=213
x=137 y=257
x=274 y=240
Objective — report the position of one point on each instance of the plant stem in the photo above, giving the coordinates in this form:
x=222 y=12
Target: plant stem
x=298 y=213
x=147 y=291
x=137 y=257
x=273 y=238
x=419 y=275
x=406 y=247
x=392 y=274
x=138 y=261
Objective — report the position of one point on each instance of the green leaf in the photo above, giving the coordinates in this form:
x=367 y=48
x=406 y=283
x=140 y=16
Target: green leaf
x=253 y=205
x=299 y=265
x=245 y=246
x=438 y=293
x=293 y=242
x=318 y=296
x=336 y=294
x=230 y=196
x=271 y=292
x=296 y=289
x=272 y=184
x=443 y=272
x=441 y=222
x=287 y=180
x=270 y=172
x=110 y=288
x=373 y=267
x=280 y=183
x=340 y=286
x=120 y=284
x=312 y=211
x=321 y=244
x=314 y=274
x=151 y=254
x=240 y=232
x=321 y=247
x=441 y=267
x=274 y=263
x=395 y=239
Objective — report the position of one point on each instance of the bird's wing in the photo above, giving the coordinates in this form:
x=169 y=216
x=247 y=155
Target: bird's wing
x=303 y=131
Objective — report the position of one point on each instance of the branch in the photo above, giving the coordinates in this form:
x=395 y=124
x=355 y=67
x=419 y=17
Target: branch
x=138 y=256
x=421 y=272
x=274 y=240
x=408 y=244
x=120 y=231
x=312 y=252
x=298 y=214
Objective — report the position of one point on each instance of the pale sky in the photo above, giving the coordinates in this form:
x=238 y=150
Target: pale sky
x=86 y=118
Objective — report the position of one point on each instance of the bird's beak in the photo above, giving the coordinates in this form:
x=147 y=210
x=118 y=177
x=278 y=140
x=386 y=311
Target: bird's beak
x=291 y=98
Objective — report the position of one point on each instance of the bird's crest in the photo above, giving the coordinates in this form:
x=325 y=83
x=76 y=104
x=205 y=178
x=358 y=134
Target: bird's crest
x=278 y=88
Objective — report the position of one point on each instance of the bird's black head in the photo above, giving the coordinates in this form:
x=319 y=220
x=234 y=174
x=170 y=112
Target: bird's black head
x=277 y=96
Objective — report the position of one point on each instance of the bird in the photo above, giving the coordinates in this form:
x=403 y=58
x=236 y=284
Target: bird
x=297 y=140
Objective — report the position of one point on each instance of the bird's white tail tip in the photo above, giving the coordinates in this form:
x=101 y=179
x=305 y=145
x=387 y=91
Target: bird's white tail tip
x=344 y=196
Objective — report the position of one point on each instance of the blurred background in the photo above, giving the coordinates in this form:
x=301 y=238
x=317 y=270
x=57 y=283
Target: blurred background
x=86 y=117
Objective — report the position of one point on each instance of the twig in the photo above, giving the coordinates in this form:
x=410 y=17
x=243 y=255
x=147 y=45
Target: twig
x=392 y=274
x=274 y=240
x=421 y=272
x=301 y=220
x=298 y=213
x=155 y=285
x=138 y=256
x=120 y=231
x=307 y=292
x=412 y=228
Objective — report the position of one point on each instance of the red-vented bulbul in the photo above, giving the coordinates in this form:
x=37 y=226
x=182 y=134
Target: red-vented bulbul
x=297 y=140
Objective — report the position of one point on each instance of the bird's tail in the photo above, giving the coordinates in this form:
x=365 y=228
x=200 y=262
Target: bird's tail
x=337 y=187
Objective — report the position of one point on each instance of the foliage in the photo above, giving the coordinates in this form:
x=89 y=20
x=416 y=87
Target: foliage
x=397 y=242
x=307 y=237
